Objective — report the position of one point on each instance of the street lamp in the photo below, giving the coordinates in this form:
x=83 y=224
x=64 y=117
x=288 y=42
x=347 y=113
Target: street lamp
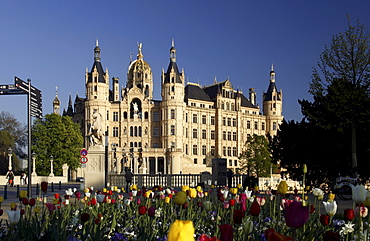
x=33 y=164
x=51 y=166
x=10 y=152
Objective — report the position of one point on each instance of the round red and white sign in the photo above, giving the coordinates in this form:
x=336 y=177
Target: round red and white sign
x=83 y=160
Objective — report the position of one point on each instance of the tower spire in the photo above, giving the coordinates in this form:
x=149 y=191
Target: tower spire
x=97 y=51
x=173 y=52
x=272 y=74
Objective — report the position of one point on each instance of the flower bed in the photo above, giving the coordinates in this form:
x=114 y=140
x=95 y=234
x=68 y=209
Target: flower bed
x=162 y=213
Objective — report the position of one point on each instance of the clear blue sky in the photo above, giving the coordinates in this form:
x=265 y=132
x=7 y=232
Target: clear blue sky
x=52 y=43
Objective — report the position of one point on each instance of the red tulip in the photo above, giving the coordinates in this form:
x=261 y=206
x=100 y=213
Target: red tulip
x=44 y=186
x=243 y=200
x=204 y=237
x=22 y=212
x=312 y=208
x=142 y=210
x=296 y=215
x=255 y=209
x=331 y=236
x=93 y=201
x=349 y=214
x=226 y=232
x=32 y=202
x=185 y=205
x=51 y=207
x=199 y=204
x=85 y=217
x=272 y=235
x=100 y=215
x=25 y=201
x=238 y=216
x=1 y=212
x=56 y=195
x=232 y=202
x=151 y=211
x=97 y=221
x=324 y=220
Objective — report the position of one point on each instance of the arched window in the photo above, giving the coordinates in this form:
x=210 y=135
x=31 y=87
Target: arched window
x=131 y=131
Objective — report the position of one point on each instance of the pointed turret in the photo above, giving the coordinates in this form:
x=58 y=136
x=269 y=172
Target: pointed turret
x=56 y=102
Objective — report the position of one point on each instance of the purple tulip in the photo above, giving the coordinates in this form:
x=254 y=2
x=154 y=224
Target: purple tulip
x=296 y=215
x=243 y=200
x=151 y=211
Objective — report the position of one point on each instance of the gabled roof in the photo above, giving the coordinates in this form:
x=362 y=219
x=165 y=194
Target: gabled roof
x=195 y=92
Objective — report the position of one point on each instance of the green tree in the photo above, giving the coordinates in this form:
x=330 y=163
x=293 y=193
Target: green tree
x=340 y=85
x=13 y=135
x=256 y=159
x=58 y=137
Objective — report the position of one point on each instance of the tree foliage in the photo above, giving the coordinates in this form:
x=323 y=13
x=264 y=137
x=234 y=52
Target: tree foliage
x=13 y=135
x=256 y=159
x=340 y=85
x=58 y=137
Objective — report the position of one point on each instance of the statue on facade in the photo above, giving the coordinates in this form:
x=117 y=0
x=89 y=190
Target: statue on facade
x=136 y=108
x=95 y=132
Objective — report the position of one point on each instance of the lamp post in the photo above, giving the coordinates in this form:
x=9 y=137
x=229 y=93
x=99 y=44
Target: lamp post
x=51 y=166
x=10 y=152
x=33 y=164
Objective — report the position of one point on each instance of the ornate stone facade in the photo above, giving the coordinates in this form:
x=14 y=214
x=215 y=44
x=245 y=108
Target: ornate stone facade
x=180 y=133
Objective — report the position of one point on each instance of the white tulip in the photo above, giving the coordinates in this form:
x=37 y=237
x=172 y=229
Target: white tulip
x=330 y=207
x=14 y=216
x=358 y=193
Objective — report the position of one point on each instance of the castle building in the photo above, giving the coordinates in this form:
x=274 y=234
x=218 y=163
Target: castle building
x=181 y=133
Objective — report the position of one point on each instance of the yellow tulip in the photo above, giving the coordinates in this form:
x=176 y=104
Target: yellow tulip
x=206 y=194
x=192 y=193
x=180 y=198
x=1 y=199
x=212 y=186
x=104 y=189
x=36 y=209
x=123 y=189
x=199 y=189
x=184 y=188
x=304 y=168
x=22 y=194
x=308 y=188
x=256 y=188
x=167 y=200
x=13 y=205
x=331 y=196
x=115 y=188
x=181 y=230
x=239 y=186
x=283 y=187
x=86 y=190
x=233 y=190
x=55 y=201
x=133 y=187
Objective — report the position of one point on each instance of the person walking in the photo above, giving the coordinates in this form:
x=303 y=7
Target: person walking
x=10 y=176
x=128 y=176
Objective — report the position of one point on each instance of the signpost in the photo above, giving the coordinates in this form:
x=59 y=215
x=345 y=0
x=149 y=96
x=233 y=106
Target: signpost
x=34 y=102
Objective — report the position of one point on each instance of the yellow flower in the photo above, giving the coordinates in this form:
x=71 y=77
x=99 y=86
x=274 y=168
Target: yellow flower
x=239 y=186
x=192 y=193
x=206 y=194
x=147 y=194
x=55 y=201
x=13 y=205
x=133 y=187
x=180 y=198
x=167 y=200
x=256 y=188
x=123 y=189
x=199 y=189
x=233 y=190
x=36 y=209
x=283 y=187
x=22 y=194
x=304 y=168
x=184 y=188
x=181 y=230
x=86 y=190
x=1 y=199
x=115 y=188
x=308 y=188
x=212 y=186
x=82 y=200
x=104 y=189
x=331 y=196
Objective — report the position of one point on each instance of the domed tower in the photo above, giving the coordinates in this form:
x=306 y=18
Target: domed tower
x=173 y=113
x=140 y=75
x=273 y=105
x=97 y=94
x=56 y=103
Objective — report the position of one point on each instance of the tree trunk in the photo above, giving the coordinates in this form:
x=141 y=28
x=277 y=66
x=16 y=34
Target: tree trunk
x=354 y=152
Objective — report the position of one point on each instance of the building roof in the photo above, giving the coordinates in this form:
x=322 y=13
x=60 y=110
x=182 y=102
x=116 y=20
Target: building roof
x=268 y=94
x=173 y=66
x=195 y=92
x=99 y=68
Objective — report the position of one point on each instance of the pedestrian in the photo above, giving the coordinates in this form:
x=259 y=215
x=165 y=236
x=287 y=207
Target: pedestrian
x=10 y=176
x=230 y=175
x=23 y=179
x=128 y=177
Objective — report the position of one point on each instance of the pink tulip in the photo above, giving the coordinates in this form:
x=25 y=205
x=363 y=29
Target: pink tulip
x=296 y=215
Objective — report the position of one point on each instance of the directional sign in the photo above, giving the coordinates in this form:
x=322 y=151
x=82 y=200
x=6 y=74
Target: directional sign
x=35 y=96
x=83 y=160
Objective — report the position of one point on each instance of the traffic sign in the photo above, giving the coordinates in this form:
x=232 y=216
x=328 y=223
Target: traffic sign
x=83 y=165
x=83 y=152
x=83 y=160
x=35 y=96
